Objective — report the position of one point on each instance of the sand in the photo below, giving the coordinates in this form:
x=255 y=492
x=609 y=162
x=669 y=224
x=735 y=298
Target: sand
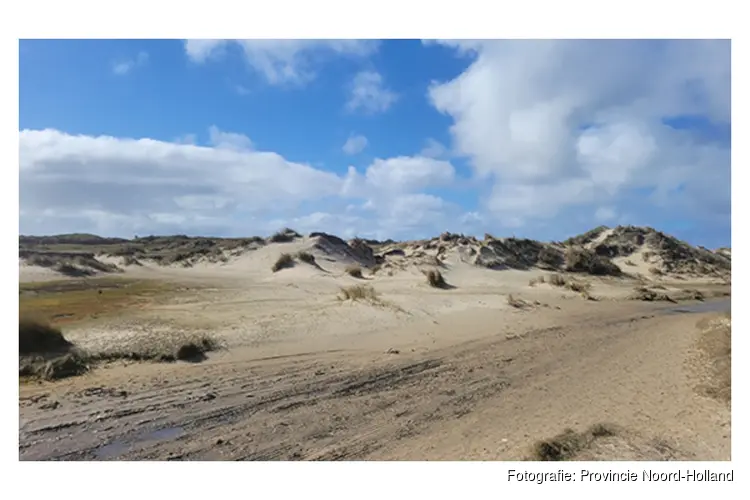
x=417 y=373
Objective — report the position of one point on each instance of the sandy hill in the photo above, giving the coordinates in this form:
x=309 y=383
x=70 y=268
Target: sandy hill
x=603 y=251
x=663 y=254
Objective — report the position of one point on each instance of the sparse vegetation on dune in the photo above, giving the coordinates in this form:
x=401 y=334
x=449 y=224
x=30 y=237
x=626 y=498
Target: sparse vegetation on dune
x=45 y=353
x=516 y=302
x=358 y=292
x=286 y=235
x=536 y=280
x=354 y=270
x=656 y=271
x=306 y=257
x=285 y=261
x=559 y=280
x=569 y=443
x=590 y=253
x=648 y=295
x=556 y=280
x=435 y=278
x=168 y=348
x=582 y=260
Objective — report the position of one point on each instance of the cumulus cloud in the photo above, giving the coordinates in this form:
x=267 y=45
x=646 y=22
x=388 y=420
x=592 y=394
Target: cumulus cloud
x=399 y=175
x=122 y=186
x=354 y=144
x=558 y=124
x=143 y=183
x=124 y=67
x=280 y=61
x=368 y=93
x=229 y=140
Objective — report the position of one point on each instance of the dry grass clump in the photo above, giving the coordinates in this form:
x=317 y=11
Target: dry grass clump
x=354 y=270
x=691 y=294
x=45 y=353
x=571 y=284
x=578 y=286
x=194 y=351
x=585 y=294
x=536 y=281
x=435 y=278
x=557 y=280
x=165 y=350
x=284 y=261
x=306 y=257
x=358 y=292
x=284 y=236
x=648 y=295
x=53 y=367
x=569 y=443
x=129 y=260
x=517 y=303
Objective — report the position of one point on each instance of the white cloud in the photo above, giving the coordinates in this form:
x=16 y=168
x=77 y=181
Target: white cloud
x=200 y=51
x=399 y=175
x=123 y=186
x=127 y=181
x=433 y=149
x=126 y=66
x=558 y=124
x=228 y=140
x=354 y=144
x=368 y=93
x=186 y=139
x=281 y=61
x=409 y=173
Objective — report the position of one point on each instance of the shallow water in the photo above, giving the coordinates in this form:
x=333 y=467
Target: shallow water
x=117 y=448
x=723 y=305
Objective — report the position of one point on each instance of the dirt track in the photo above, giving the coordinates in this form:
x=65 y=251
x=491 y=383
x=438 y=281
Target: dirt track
x=465 y=388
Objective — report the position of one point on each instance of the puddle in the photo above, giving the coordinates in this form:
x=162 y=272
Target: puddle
x=702 y=307
x=117 y=448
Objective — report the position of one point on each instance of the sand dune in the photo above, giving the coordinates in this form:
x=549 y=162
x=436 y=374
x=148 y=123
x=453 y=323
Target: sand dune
x=383 y=358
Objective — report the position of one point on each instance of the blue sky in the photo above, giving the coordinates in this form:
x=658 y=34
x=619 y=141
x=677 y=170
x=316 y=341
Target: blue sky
x=397 y=138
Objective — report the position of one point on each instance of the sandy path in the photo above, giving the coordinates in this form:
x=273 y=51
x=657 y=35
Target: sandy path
x=468 y=385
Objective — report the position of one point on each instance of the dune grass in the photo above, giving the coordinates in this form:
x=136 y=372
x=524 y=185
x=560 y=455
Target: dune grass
x=45 y=353
x=358 y=292
x=306 y=257
x=285 y=261
x=354 y=270
x=568 y=444
x=435 y=279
